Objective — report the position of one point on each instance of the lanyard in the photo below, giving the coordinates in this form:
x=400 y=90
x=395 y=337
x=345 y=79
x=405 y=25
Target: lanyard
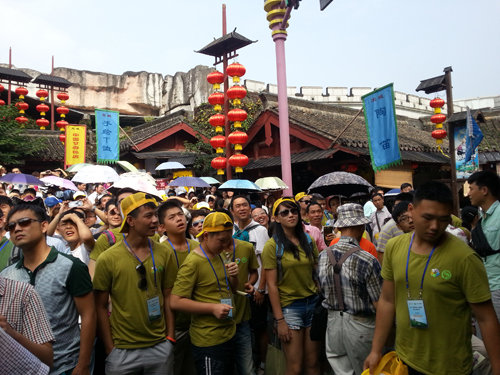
x=5 y=244
x=425 y=269
x=152 y=257
x=175 y=252
x=215 y=273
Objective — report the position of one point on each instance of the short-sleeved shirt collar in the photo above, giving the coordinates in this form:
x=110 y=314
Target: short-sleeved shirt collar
x=492 y=209
x=345 y=240
x=50 y=259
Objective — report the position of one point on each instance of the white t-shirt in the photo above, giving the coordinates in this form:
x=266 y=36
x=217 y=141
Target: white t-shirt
x=82 y=253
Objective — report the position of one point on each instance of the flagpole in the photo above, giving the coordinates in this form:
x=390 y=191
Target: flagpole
x=451 y=137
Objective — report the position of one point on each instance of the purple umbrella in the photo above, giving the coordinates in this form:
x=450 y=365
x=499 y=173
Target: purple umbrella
x=21 y=178
x=60 y=182
x=189 y=181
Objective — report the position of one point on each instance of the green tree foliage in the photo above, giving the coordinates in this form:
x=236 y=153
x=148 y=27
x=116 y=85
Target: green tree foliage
x=202 y=149
x=15 y=145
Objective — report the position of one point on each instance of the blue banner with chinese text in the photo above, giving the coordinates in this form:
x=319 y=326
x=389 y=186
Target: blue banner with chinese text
x=382 y=128
x=107 y=135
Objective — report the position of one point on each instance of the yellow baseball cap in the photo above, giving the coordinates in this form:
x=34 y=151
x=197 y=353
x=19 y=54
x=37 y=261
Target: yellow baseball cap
x=299 y=196
x=132 y=202
x=281 y=200
x=216 y=222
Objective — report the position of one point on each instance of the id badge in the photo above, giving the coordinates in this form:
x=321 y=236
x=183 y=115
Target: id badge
x=154 y=309
x=418 y=319
x=227 y=301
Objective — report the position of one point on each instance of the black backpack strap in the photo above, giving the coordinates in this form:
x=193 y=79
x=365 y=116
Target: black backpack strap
x=337 y=267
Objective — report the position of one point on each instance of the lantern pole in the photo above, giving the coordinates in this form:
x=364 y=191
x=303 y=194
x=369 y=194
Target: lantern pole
x=227 y=125
x=279 y=38
x=451 y=138
x=9 y=94
x=52 y=99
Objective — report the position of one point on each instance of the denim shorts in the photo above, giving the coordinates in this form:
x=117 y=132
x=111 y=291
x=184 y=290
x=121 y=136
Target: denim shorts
x=299 y=314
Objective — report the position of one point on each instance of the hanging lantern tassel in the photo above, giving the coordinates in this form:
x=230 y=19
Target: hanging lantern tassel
x=238 y=138
x=238 y=161
x=217 y=100
x=236 y=93
x=236 y=70
x=215 y=79
x=217 y=121
x=21 y=91
x=237 y=116
x=218 y=142
x=219 y=163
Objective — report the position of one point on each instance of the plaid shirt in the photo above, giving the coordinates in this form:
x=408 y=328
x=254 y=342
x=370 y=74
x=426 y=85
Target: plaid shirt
x=21 y=305
x=360 y=279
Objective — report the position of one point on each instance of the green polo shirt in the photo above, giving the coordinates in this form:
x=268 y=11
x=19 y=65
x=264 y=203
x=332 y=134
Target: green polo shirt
x=5 y=250
x=491 y=231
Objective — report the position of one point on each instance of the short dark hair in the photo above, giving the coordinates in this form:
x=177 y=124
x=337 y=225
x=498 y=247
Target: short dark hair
x=404 y=185
x=399 y=210
x=125 y=190
x=404 y=197
x=375 y=189
x=315 y=197
x=433 y=191
x=167 y=205
x=313 y=203
x=15 y=191
x=6 y=200
x=135 y=212
x=37 y=210
x=104 y=196
x=377 y=195
x=72 y=211
x=237 y=197
x=487 y=179
x=111 y=202
x=30 y=190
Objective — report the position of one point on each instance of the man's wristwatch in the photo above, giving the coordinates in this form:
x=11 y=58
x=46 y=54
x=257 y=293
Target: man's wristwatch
x=261 y=291
x=92 y=209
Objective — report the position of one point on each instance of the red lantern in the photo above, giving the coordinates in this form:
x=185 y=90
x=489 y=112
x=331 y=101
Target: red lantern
x=218 y=142
x=21 y=120
x=22 y=106
x=42 y=94
x=2 y=102
x=219 y=163
x=217 y=121
x=61 y=124
x=42 y=108
x=437 y=103
x=63 y=96
x=238 y=161
x=21 y=91
x=236 y=93
x=236 y=70
x=237 y=138
x=217 y=100
x=215 y=78
x=2 y=88
x=439 y=134
x=237 y=115
x=414 y=165
x=42 y=123
x=62 y=138
x=438 y=118
x=63 y=111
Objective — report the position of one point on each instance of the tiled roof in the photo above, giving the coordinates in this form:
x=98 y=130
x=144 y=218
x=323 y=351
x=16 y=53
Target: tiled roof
x=228 y=43
x=14 y=75
x=54 y=150
x=45 y=79
x=296 y=158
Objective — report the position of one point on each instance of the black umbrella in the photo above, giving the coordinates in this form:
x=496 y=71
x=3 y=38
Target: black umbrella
x=340 y=183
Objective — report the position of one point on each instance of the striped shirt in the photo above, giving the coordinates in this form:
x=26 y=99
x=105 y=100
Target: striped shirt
x=360 y=279
x=23 y=308
x=389 y=230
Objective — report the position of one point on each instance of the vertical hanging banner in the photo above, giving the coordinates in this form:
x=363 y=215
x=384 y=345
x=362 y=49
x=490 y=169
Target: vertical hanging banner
x=382 y=128
x=76 y=144
x=107 y=135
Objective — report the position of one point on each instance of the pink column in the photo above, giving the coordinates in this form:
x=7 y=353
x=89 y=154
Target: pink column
x=286 y=163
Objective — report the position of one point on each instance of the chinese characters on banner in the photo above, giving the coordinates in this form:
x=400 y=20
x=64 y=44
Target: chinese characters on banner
x=76 y=143
x=382 y=128
x=107 y=136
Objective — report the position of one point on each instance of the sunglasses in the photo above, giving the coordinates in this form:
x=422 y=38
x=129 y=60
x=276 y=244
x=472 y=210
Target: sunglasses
x=143 y=282
x=23 y=223
x=285 y=213
x=197 y=222
x=305 y=201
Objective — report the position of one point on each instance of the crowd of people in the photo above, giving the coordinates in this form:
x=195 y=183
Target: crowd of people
x=118 y=281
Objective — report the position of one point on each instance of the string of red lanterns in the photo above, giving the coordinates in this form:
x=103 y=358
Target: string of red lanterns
x=62 y=110
x=22 y=106
x=1 y=89
x=438 y=118
x=217 y=121
x=42 y=108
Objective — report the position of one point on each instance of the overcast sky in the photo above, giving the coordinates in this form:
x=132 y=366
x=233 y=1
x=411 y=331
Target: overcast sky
x=353 y=43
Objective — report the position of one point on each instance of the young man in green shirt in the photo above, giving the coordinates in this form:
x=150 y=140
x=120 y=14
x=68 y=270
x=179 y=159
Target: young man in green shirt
x=138 y=274
x=173 y=222
x=432 y=281
x=205 y=288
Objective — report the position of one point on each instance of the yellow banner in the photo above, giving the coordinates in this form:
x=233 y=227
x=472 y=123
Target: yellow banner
x=183 y=174
x=76 y=141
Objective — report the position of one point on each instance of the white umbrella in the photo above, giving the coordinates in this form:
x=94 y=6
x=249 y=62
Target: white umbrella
x=271 y=183
x=138 y=185
x=60 y=182
x=143 y=176
x=170 y=165
x=94 y=174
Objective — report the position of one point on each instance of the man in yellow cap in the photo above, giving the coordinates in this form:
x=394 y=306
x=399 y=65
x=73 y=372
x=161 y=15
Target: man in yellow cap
x=137 y=274
x=204 y=288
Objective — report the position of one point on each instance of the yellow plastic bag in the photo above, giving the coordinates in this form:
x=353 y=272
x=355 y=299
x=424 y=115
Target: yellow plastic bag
x=390 y=364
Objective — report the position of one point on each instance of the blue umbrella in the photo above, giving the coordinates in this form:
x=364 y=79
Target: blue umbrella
x=239 y=185
x=210 y=180
x=392 y=192
x=189 y=181
x=21 y=178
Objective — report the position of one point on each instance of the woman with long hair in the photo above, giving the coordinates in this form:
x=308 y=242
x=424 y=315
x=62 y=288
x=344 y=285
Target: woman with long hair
x=290 y=261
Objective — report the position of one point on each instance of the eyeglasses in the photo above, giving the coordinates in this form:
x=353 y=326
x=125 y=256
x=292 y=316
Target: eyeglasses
x=405 y=219
x=305 y=201
x=23 y=223
x=143 y=282
x=197 y=222
x=285 y=213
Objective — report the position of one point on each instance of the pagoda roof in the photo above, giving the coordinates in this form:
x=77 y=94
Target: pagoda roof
x=228 y=43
